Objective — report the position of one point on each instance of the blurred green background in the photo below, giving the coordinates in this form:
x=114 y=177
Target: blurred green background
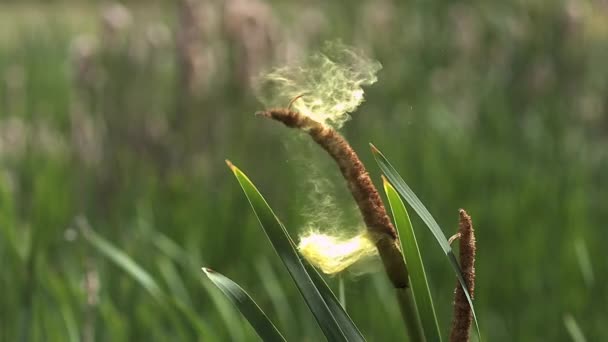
x=118 y=117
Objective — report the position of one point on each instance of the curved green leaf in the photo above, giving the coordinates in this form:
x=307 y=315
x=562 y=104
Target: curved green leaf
x=145 y=280
x=574 y=330
x=411 y=253
x=404 y=190
x=246 y=305
x=125 y=262
x=333 y=320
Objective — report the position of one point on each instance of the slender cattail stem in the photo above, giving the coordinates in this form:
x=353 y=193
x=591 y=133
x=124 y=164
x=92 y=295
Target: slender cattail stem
x=368 y=200
x=463 y=317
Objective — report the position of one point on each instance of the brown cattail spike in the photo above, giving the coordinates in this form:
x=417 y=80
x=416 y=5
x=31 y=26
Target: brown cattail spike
x=360 y=185
x=463 y=316
x=359 y=182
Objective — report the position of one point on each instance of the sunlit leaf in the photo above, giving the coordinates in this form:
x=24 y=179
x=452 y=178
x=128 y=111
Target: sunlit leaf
x=576 y=334
x=411 y=253
x=333 y=320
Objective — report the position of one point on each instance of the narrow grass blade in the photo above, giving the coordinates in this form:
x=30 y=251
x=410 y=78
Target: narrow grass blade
x=411 y=253
x=140 y=275
x=584 y=261
x=173 y=280
x=404 y=190
x=275 y=288
x=59 y=290
x=70 y=324
x=330 y=315
x=123 y=261
x=576 y=334
x=341 y=292
x=247 y=306
x=172 y=252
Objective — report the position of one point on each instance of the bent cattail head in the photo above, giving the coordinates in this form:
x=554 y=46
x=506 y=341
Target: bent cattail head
x=325 y=87
x=333 y=254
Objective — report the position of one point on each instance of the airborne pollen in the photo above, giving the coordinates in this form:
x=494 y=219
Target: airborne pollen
x=328 y=84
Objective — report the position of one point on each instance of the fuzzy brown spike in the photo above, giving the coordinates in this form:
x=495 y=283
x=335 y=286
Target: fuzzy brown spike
x=360 y=185
x=463 y=316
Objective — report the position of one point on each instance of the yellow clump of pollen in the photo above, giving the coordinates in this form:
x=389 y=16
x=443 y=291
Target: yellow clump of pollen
x=327 y=85
x=332 y=254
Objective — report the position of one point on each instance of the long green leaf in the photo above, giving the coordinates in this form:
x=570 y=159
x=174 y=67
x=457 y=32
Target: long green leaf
x=333 y=320
x=172 y=251
x=246 y=305
x=411 y=253
x=125 y=262
x=574 y=330
x=140 y=275
x=404 y=190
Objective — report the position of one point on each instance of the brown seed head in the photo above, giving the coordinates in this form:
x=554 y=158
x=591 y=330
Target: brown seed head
x=463 y=316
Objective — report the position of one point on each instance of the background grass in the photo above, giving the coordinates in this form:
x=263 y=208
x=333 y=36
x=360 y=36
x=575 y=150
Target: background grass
x=499 y=108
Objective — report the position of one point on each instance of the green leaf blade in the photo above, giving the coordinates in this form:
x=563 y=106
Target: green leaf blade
x=123 y=261
x=246 y=305
x=411 y=253
x=574 y=330
x=406 y=193
x=145 y=280
x=331 y=317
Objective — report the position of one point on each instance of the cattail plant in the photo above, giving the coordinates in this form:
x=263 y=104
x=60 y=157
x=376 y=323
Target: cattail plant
x=463 y=316
x=321 y=92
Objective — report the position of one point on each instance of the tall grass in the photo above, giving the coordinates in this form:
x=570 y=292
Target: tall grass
x=497 y=108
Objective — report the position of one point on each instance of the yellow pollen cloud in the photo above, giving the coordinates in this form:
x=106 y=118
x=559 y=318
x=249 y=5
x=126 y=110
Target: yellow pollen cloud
x=332 y=254
x=329 y=84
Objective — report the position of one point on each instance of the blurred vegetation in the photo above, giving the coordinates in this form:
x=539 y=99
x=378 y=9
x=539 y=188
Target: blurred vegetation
x=119 y=117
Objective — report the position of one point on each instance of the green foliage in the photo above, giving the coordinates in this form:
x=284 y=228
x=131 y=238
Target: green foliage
x=497 y=107
x=258 y=319
x=125 y=262
x=328 y=312
x=413 y=259
x=404 y=190
x=573 y=329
